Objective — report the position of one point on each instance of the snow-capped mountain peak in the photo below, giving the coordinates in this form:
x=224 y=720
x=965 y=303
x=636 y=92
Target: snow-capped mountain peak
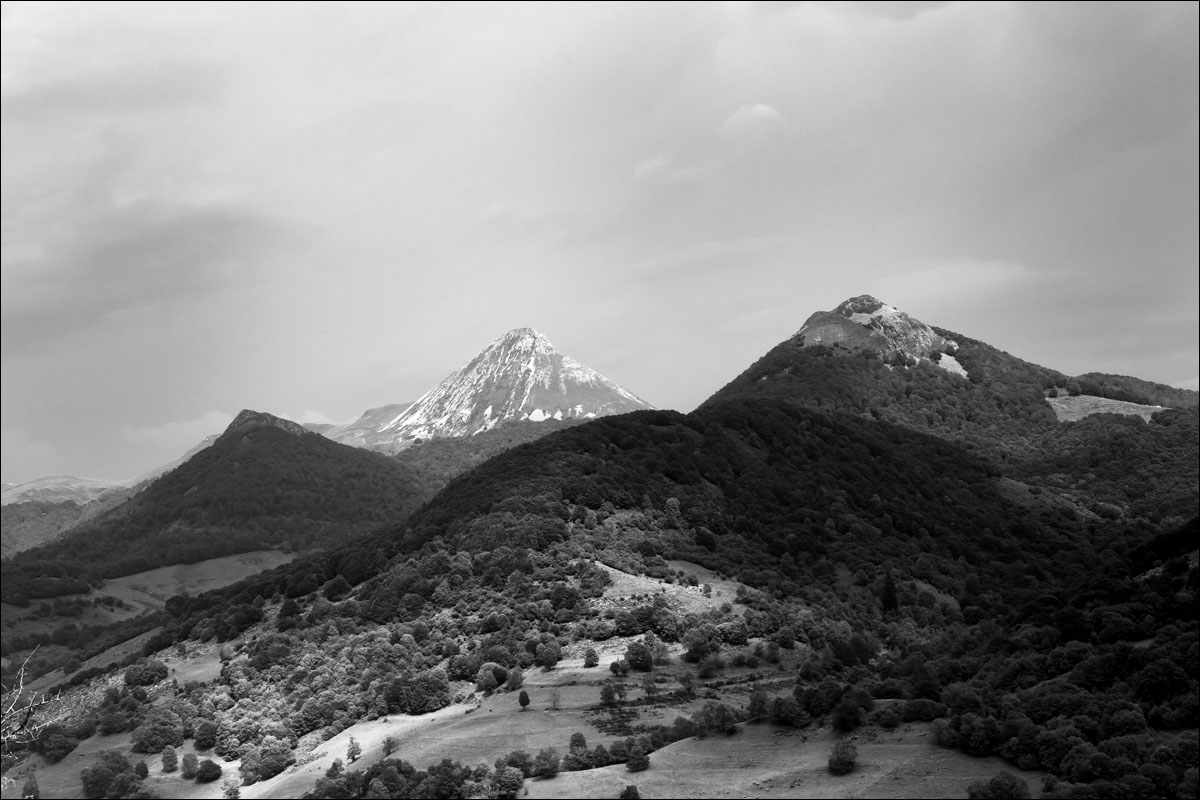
x=519 y=376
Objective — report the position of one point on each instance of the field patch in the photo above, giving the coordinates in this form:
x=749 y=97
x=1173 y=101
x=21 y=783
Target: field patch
x=151 y=589
x=1071 y=409
x=766 y=761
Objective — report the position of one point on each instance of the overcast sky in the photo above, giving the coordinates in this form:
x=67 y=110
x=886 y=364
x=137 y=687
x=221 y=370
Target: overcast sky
x=315 y=209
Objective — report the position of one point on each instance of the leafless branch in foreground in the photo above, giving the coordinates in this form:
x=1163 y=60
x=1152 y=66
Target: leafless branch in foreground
x=24 y=716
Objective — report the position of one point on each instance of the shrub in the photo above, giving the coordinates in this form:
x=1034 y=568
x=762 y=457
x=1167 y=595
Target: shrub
x=547 y=763
x=55 y=743
x=638 y=759
x=208 y=772
x=206 y=734
x=639 y=656
x=843 y=759
x=887 y=718
x=518 y=760
x=145 y=673
x=159 y=729
x=1001 y=787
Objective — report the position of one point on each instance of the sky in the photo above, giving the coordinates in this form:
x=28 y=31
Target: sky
x=314 y=209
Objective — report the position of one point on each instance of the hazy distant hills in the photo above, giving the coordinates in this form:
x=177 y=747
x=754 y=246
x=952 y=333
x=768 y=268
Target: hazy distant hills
x=518 y=377
x=516 y=389
x=362 y=431
x=57 y=489
x=265 y=482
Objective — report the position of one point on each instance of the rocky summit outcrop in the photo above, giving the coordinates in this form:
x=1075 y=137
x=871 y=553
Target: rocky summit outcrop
x=865 y=323
x=248 y=420
x=519 y=376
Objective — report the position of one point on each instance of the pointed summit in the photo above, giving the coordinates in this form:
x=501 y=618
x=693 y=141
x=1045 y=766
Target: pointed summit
x=519 y=376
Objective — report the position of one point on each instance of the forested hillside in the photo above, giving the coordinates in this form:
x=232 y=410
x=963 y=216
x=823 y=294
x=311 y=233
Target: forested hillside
x=250 y=490
x=893 y=557
x=1113 y=463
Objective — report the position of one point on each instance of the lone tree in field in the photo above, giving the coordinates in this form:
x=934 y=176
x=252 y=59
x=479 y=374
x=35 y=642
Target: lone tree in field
x=590 y=657
x=353 y=750
x=389 y=745
x=638 y=759
x=523 y=699
x=843 y=759
x=170 y=759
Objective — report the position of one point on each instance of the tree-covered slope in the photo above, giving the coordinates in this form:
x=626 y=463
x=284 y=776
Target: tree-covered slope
x=1142 y=469
x=894 y=559
x=252 y=489
x=781 y=496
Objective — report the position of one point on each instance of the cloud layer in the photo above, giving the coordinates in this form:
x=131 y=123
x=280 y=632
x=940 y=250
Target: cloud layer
x=217 y=207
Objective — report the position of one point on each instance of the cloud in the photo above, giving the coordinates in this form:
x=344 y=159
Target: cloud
x=662 y=169
x=953 y=281
x=651 y=167
x=178 y=436
x=309 y=416
x=751 y=120
x=115 y=259
x=146 y=88
x=25 y=457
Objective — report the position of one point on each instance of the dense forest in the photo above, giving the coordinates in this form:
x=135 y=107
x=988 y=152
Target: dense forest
x=895 y=562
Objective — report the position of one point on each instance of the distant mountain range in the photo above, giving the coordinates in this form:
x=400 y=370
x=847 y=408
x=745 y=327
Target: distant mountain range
x=879 y=524
x=903 y=371
x=57 y=489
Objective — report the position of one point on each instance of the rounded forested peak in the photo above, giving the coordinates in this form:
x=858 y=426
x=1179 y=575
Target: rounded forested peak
x=248 y=419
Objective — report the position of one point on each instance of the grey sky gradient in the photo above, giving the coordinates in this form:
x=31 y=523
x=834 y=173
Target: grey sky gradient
x=315 y=209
